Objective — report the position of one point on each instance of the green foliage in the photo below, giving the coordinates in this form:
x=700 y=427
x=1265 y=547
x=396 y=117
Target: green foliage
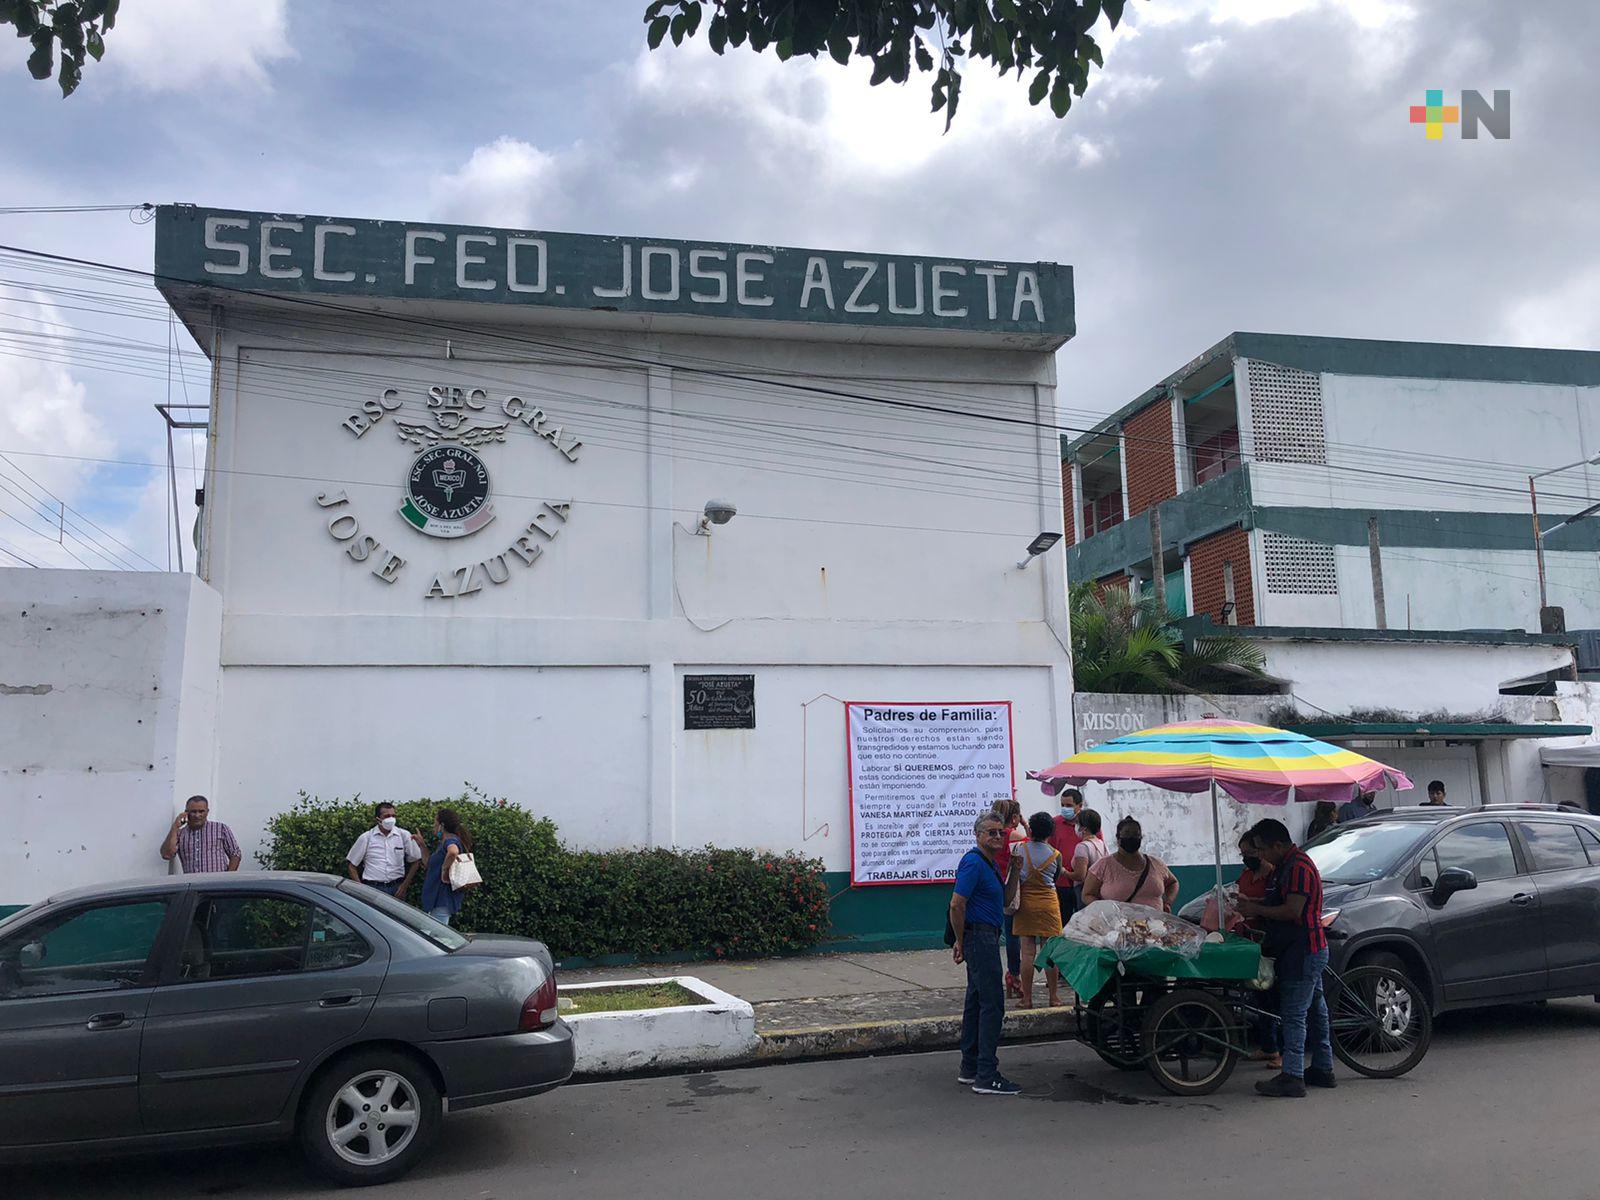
x=1123 y=644
x=1047 y=38
x=711 y=902
x=77 y=26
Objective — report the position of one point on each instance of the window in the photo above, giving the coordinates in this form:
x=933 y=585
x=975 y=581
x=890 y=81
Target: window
x=334 y=944
x=239 y=937
x=95 y=949
x=1591 y=844
x=1362 y=853
x=413 y=919
x=236 y=936
x=1484 y=849
x=1216 y=456
x=1554 y=846
x=1102 y=514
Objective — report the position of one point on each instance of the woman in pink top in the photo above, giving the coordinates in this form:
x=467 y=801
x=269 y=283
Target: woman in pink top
x=1130 y=875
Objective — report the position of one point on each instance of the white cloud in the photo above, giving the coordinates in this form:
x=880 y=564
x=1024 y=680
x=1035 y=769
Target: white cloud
x=508 y=182
x=1202 y=56
x=47 y=412
x=183 y=45
x=1563 y=314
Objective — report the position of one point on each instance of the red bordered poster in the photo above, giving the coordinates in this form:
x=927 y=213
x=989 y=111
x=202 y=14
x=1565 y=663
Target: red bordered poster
x=919 y=775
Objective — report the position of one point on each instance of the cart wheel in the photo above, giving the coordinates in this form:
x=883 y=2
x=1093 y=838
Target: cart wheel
x=1116 y=1044
x=1379 y=1022
x=1192 y=1042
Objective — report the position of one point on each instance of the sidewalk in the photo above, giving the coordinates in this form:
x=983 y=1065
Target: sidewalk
x=821 y=1006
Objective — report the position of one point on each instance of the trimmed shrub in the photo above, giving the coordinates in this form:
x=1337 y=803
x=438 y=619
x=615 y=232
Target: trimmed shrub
x=711 y=902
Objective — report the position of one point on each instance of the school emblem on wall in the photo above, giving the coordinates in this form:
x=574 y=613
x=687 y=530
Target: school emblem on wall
x=446 y=491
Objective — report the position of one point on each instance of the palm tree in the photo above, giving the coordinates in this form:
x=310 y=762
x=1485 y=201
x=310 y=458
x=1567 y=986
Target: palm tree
x=1125 y=644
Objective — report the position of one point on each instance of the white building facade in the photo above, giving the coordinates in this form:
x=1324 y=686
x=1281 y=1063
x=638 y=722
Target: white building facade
x=453 y=519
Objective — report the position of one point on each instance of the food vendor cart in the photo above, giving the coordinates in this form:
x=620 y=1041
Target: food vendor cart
x=1185 y=1017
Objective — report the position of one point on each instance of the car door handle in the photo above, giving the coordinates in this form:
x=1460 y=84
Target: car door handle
x=338 y=999
x=113 y=1020
x=1522 y=899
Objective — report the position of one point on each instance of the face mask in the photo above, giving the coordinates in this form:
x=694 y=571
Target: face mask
x=1068 y=812
x=386 y=824
x=1130 y=843
x=1252 y=863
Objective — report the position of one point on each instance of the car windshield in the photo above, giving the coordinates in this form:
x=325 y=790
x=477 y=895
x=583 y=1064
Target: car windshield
x=1362 y=853
x=416 y=920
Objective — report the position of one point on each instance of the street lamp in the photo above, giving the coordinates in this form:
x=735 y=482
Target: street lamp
x=1038 y=546
x=1538 y=537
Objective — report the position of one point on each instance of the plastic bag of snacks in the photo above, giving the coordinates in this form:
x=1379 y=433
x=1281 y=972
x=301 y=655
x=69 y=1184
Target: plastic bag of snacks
x=1128 y=929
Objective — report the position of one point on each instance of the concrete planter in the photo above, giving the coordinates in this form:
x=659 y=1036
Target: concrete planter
x=718 y=1032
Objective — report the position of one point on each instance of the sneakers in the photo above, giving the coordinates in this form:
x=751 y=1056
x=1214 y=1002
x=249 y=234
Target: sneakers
x=1001 y=1086
x=1321 y=1079
x=1282 y=1085
x=966 y=1079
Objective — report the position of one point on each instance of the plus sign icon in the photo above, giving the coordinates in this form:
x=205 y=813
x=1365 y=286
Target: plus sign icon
x=1472 y=113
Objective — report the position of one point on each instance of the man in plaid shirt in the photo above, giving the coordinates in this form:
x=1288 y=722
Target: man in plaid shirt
x=1292 y=911
x=200 y=843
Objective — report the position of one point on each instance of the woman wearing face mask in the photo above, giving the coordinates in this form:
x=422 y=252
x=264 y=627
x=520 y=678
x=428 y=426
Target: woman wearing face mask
x=1010 y=814
x=439 y=900
x=1130 y=875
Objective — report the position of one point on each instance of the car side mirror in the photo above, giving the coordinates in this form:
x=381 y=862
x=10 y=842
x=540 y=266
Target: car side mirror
x=31 y=955
x=1452 y=880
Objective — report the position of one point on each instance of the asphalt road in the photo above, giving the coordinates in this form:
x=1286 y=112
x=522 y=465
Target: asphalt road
x=1504 y=1105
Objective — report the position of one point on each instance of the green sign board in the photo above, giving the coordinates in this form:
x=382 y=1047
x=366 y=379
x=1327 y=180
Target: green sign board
x=342 y=257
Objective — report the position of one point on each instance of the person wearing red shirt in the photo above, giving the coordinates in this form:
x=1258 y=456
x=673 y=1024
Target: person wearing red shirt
x=1292 y=913
x=1065 y=839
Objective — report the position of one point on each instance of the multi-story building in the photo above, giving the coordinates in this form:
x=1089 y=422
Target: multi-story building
x=1270 y=461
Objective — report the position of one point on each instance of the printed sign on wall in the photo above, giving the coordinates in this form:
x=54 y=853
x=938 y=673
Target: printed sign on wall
x=919 y=775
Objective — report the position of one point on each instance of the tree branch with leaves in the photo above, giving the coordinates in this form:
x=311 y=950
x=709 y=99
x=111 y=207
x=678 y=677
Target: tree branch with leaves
x=1049 y=40
x=78 y=27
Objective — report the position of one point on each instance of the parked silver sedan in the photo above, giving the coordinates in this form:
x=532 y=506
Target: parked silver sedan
x=204 y=1009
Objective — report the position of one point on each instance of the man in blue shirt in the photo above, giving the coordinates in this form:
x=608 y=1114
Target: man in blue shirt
x=977 y=911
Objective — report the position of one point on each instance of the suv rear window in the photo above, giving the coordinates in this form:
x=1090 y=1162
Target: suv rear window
x=1553 y=844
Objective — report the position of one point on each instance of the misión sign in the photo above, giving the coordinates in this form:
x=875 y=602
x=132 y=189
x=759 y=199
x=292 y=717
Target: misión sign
x=334 y=257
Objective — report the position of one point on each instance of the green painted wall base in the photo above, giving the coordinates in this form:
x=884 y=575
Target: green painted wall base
x=7 y=909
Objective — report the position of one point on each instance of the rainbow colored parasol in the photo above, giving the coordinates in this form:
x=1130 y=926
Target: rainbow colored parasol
x=1256 y=764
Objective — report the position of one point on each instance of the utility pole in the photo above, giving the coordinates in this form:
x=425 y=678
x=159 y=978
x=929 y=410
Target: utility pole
x=1158 y=569
x=1375 y=554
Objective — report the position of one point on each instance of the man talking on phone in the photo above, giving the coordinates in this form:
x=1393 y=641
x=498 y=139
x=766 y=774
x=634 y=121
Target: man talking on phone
x=200 y=843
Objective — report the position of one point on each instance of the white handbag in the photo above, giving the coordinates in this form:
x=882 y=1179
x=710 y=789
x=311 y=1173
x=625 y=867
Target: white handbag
x=464 y=873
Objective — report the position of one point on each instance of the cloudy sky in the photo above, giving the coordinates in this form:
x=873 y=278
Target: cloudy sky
x=1239 y=164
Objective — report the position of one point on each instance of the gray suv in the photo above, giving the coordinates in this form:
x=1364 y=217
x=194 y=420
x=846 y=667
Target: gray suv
x=1477 y=906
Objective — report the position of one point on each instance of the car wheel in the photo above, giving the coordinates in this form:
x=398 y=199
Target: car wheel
x=1385 y=958
x=369 y=1118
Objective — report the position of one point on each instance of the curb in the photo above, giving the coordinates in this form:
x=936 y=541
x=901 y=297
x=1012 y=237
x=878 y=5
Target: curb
x=914 y=1033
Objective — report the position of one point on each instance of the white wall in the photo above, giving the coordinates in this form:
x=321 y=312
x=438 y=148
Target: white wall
x=873 y=558
x=107 y=705
x=1410 y=677
x=1406 y=434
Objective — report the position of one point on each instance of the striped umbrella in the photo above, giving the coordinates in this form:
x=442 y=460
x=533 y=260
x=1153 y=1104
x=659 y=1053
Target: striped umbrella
x=1255 y=764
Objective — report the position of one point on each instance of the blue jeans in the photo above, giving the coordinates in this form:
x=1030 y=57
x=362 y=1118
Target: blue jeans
x=1305 y=1013
x=985 y=1006
x=392 y=888
x=1013 y=953
x=441 y=914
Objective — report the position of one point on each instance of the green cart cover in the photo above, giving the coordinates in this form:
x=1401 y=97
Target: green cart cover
x=1087 y=968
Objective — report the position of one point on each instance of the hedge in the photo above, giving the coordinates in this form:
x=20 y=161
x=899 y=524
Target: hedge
x=710 y=902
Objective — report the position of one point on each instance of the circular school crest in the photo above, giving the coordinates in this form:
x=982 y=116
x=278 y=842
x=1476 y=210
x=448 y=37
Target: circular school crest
x=447 y=492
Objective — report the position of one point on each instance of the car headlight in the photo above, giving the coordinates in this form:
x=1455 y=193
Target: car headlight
x=1329 y=916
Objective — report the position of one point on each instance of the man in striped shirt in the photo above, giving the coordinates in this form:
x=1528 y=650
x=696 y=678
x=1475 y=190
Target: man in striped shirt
x=200 y=843
x=1292 y=913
